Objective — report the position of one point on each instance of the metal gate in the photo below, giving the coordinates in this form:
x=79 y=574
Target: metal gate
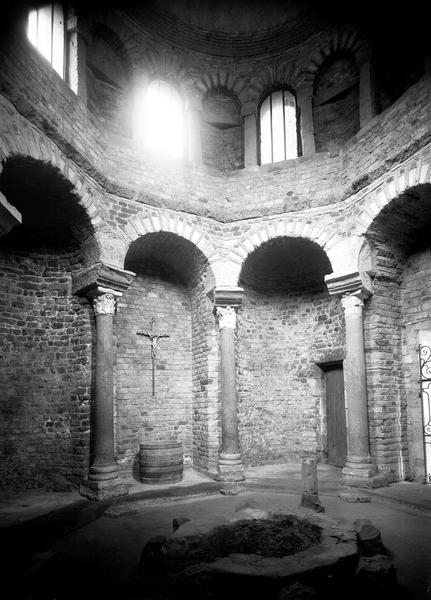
x=425 y=381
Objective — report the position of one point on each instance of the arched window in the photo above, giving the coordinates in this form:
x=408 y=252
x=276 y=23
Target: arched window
x=162 y=119
x=46 y=32
x=278 y=124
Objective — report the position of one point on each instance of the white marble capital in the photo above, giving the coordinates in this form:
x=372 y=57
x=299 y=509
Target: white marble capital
x=226 y=316
x=352 y=304
x=104 y=304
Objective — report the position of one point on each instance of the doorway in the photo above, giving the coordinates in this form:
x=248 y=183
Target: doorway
x=335 y=413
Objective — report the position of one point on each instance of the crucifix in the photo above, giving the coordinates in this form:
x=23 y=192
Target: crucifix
x=154 y=338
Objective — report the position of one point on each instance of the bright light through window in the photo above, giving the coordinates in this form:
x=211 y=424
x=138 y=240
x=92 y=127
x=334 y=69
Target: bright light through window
x=46 y=32
x=161 y=119
x=278 y=127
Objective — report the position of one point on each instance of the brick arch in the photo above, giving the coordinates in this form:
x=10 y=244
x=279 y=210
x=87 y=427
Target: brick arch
x=157 y=65
x=346 y=40
x=233 y=84
x=38 y=147
x=118 y=33
x=413 y=174
x=177 y=224
x=275 y=75
x=108 y=35
x=262 y=233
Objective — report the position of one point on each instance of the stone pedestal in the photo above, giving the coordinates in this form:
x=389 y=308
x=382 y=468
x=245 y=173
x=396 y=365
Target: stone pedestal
x=230 y=464
x=309 y=497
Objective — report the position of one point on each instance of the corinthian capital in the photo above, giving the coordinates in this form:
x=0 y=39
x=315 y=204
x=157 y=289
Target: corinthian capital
x=104 y=304
x=226 y=316
x=352 y=304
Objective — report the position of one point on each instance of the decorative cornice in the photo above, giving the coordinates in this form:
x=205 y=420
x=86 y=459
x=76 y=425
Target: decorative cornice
x=101 y=278
x=349 y=284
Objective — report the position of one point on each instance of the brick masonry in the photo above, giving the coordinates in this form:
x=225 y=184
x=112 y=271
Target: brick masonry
x=226 y=212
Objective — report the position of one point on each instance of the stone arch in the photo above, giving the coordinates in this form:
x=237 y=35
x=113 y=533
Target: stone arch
x=233 y=84
x=263 y=232
x=280 y=74
x=108 y=35
x=410 y=175
x=38 y=147
x=346 y=40
x=153 y=222
x=156 y=65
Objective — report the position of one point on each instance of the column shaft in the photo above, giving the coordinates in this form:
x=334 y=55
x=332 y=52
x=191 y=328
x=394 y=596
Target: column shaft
x=230 y=464
x=103 y=410
x=358 y=463
x=228 y=393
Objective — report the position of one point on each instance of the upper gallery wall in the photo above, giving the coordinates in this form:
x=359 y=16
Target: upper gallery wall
x=128 y=47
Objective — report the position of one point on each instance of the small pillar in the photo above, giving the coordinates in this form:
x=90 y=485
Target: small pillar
x=310 y=498
x=250 y=140
x=195 y=141
x=367 y=104
x=77 y=41
x=305 y=104
x=102 y=284
x=230 y=464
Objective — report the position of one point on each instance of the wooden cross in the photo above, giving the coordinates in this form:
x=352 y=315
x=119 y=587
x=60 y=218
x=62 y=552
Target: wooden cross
x=154 y=338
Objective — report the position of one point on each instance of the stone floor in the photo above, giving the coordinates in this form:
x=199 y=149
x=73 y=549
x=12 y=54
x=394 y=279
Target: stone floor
x=61 y=546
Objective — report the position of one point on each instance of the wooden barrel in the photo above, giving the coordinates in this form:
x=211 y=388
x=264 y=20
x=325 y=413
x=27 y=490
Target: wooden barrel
x=161 y=462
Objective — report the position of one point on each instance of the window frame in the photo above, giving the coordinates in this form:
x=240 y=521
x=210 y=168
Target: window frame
x=269 y=93
x=55 y=8
x=185 y=110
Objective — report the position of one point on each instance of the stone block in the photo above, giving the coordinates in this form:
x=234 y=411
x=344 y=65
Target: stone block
x=369 y=538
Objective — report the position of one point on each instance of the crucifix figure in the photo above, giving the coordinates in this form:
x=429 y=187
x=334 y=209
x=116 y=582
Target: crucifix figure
x=154 y=338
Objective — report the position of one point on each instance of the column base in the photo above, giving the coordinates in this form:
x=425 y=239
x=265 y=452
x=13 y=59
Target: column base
x=361 y=472
x=103 y=490
x=230 y=467
x=103 y=472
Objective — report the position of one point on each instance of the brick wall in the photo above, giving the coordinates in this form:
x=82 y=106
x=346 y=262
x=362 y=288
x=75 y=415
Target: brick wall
x=222 y=149
x=336 y=103
x=140 y=416
x=46 y=357
x=280 y=388
x=44 y=99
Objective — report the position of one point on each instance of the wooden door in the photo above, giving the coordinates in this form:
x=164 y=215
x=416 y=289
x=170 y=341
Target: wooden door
x=335 y=415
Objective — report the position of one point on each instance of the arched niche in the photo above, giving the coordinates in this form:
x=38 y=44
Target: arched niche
x=46 y=355
x=171 y=286
x=335 y=101
x=287 y=324
x=222 y=130
x=397 y=320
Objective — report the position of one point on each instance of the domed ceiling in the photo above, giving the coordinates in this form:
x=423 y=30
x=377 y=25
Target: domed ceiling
x=237 y=28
